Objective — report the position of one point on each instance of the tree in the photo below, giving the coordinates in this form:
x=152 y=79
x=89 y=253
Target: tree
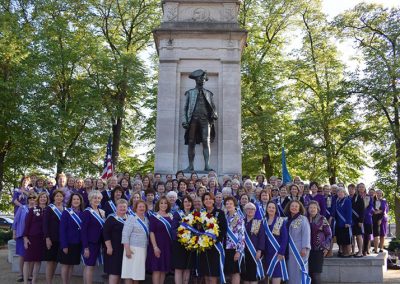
x=125 y=28
x=15 y=129
x=265 y=111
x=328 y=132
x=376 y=33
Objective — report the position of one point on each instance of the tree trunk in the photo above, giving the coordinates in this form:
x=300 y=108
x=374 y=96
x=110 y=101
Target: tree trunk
x=2 y=159
x=116 y=139
x=397 y=191
x=332 y=175
x=267 y=162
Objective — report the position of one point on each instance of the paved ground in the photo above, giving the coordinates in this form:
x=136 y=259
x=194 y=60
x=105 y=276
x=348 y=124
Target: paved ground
x=6 y=276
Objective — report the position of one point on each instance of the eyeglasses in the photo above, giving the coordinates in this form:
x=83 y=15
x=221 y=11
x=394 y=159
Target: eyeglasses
x=31 y=197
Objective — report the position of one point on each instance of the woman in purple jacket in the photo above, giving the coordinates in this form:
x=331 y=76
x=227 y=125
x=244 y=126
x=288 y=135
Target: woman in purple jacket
x=321 y=236
x=276 y=241
x=70 y=236
x=379 y=218
x=92 y=235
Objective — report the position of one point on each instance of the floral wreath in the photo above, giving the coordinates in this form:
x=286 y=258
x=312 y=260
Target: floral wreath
x=198 y=231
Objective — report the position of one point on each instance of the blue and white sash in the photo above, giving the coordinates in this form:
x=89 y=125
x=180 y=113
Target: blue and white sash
x=253 y=252
x=181 y=214
x=235 y=240
x=108 y=193
x=96 y=216
x=144 y=226
x=280 y=209
x=355 y=213
x=130 y=212
x=112 y=205
x=56 y=211
x=165 y=222
x=261 y=210
x=220 y=249
x=119 y=219
x=305 y=278
x=271 y=238
x=75 y=217
x=344 y=220
x=240 y=212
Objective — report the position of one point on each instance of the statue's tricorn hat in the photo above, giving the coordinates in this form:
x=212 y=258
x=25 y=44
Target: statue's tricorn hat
x=198 y=73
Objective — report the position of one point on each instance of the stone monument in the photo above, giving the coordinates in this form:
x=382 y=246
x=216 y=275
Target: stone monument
x=194 y=35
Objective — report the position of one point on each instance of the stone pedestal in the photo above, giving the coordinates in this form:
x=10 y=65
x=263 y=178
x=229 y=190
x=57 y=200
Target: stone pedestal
x=368 y=269
x=199 y=35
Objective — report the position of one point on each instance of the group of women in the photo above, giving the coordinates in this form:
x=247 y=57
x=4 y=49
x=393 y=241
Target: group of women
x=266 y=231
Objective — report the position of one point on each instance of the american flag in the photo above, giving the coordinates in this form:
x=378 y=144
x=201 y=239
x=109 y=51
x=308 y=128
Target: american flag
x=108 y=166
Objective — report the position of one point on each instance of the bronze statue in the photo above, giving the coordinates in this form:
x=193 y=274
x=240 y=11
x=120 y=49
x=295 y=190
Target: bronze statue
x=198 y=119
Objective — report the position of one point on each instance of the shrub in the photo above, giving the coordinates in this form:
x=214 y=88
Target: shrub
x=5 y=236
x=394 y=245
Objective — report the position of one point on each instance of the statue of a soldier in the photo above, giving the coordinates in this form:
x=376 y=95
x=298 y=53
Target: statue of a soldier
x=198 y=119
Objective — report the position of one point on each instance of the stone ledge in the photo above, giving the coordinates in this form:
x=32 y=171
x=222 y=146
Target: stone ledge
x=368 y=269
x=200 y=27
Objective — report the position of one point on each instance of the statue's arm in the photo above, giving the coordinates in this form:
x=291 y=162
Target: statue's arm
x=214 y=114
x=185 y=122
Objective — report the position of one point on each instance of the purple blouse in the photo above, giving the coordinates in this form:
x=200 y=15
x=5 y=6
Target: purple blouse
x=236 y=224
x=321 y=234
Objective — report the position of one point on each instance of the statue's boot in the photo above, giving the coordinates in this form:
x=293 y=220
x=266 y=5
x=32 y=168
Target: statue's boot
x=189 y=169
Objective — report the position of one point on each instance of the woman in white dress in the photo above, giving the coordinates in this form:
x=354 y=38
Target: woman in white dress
x=135 y=238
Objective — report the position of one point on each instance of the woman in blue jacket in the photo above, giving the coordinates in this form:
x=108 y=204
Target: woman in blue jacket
x=70 y=236
x=343 y=216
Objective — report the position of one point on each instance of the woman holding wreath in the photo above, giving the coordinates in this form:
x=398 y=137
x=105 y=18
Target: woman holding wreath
x=210 y=264
x=183 y=260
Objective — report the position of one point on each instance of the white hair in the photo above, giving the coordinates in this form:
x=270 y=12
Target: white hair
x=172 y=194
x=93 y=194
x=249 y=205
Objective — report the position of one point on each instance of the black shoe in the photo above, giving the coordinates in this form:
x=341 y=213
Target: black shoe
x=20 y=278
x=381 y=250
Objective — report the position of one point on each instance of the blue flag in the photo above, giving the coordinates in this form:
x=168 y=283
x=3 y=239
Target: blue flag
x=286 y=178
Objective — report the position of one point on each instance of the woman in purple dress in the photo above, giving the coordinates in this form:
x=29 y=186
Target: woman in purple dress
x=51 y=230
x=252 y=267
x=160 y=249
x=321 y=236
x=92 y=235
x=112 y=234
x=33 y=237
x=379 y=218
x=276 y=241
x=19 y=228
x=70 y=237
x=20 y=194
